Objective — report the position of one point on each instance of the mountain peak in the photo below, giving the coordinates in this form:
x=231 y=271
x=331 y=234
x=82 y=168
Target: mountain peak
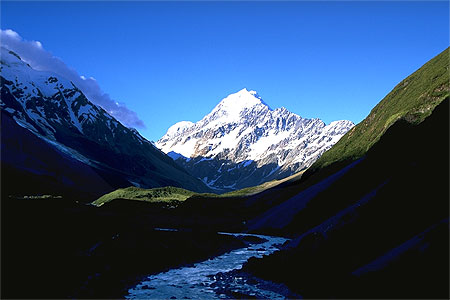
x=235 y=103
x=243 y=142
x=245 y=95
x=251 y=92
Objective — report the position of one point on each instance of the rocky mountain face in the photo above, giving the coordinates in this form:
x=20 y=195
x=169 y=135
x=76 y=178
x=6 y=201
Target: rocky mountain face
x=243 y=142
x=58 y=113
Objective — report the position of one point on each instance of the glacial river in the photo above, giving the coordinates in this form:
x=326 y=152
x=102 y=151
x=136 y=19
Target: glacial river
x=208 y=279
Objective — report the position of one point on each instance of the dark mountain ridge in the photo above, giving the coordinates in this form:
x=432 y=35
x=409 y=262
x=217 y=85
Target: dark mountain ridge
x=55 y=111
x=347 y=226
x=381 y=229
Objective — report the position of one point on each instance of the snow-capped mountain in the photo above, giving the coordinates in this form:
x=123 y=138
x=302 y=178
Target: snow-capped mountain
x=56 y=111
x=243 y=142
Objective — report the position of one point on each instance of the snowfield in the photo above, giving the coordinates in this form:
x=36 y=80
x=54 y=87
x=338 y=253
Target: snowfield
x=242 y=127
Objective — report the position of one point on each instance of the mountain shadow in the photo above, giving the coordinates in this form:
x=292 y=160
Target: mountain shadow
x=229 y=175
x=381 y=230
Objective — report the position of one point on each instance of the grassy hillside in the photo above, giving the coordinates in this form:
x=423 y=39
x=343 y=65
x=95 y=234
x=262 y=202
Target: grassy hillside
x=164 y=194
x=262 y=187
x=169 y=193
x=413 y=100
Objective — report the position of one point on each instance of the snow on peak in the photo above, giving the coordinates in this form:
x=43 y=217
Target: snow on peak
x=242 y=128
x=254 y=93
x=341 y=123
x=243 y=98
x=178 y=128
x=9 y=57
x=232 y=105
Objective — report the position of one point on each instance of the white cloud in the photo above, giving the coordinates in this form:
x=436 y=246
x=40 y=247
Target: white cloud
x=11 y=33
x=38 y=44
x=34 y=54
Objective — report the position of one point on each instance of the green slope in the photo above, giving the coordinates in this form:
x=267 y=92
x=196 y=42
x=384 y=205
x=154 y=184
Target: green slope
x=253 y=190
x=169 y=193
x=413 y=100
x=163 y=194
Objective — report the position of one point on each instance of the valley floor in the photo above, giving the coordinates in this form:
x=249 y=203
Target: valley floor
x=58 y=248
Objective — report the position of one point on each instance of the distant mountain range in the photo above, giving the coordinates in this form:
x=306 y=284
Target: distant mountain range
x=44 y=113
x=242 y=142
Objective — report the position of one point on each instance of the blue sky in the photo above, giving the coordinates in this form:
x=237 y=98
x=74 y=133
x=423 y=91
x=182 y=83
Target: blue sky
x=174 y=61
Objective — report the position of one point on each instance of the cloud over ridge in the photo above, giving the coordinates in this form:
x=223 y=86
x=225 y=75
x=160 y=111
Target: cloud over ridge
x=33 y=53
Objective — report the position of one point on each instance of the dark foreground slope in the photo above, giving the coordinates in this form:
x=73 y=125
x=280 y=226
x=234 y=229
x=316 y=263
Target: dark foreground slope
x=379 y=229
x=58 y=248
x=408 y=103
x=31 y=166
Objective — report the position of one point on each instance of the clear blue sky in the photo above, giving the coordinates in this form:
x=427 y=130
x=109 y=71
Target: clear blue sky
x=174 y=61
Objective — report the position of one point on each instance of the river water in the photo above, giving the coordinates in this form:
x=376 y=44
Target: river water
x=206 y=279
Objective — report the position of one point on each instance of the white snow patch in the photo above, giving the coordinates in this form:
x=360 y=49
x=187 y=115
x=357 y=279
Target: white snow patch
x=178 y=128
x=71 y=152
x=262 y=145
x=184 y=148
